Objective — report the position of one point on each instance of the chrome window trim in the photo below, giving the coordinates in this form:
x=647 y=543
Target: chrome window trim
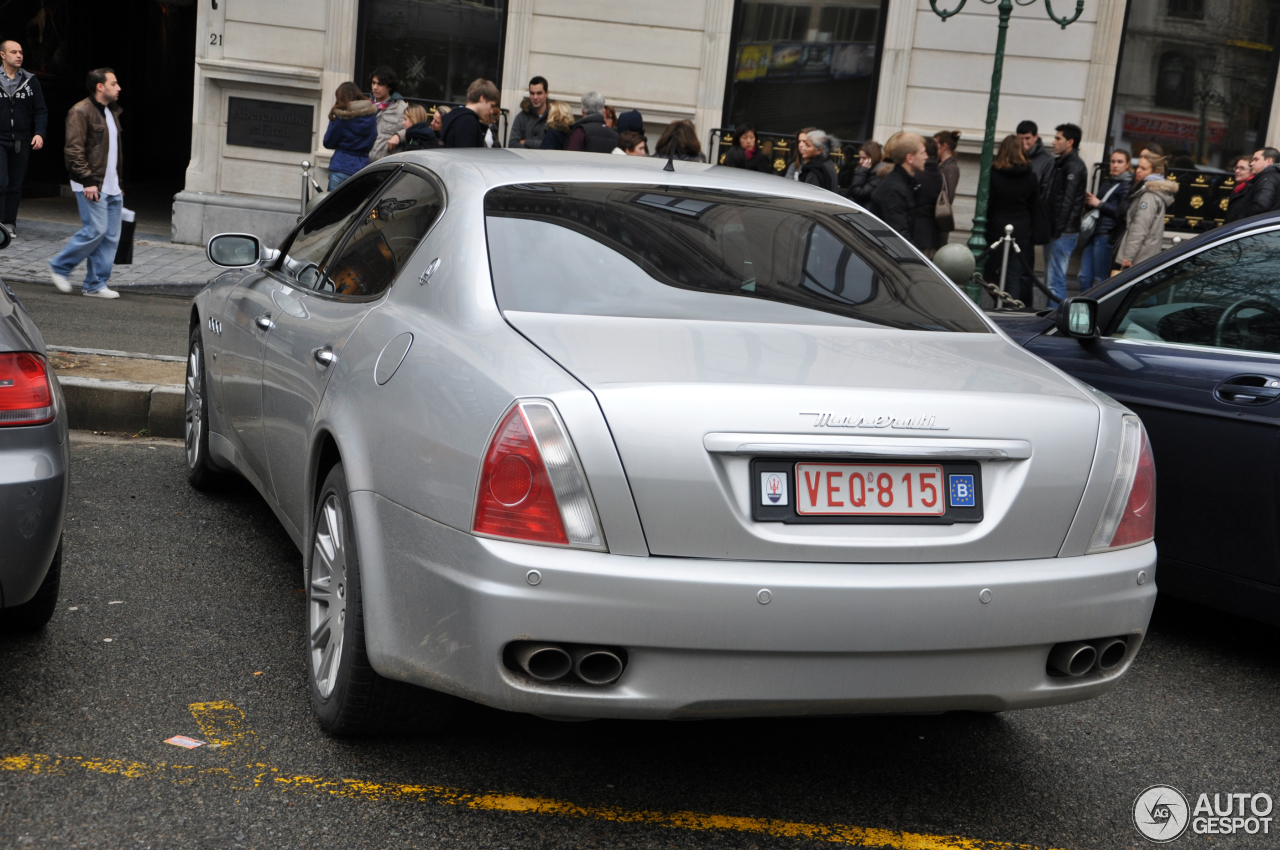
x=1185 y=346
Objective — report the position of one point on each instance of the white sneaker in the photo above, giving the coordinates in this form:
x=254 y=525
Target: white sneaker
x=59 y=281
x=104 y=292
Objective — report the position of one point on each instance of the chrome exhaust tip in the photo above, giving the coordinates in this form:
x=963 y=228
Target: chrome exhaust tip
x=596 y=666
x=1074 y=658
x=545 y=662
x=1111 y=652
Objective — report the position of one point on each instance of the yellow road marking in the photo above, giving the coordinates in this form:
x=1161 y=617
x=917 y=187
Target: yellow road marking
x=224 y=724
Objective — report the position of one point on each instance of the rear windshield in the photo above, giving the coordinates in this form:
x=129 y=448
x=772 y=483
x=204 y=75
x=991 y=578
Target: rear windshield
x=691 y=253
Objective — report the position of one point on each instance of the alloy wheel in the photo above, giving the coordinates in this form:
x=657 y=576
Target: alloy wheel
x=194 y=422
x=327 y=609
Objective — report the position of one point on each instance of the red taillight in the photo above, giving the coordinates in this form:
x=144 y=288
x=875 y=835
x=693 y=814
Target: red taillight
x=25 y=395
x=516 y=498
x=1138 y=524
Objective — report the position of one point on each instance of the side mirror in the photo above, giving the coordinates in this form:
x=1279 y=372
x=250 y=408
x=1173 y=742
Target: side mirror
x=1078 y=318
x=235 y=250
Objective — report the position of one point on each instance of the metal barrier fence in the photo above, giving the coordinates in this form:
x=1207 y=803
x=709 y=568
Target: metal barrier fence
x=780 y=147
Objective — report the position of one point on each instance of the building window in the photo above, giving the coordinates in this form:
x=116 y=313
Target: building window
x=436 y=47
x=1190 y=9
x=1175 y=81
x=1202 y=93
x=811 y=64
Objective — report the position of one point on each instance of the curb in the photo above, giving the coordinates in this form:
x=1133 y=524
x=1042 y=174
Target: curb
x=97 y=405
x=186 y=289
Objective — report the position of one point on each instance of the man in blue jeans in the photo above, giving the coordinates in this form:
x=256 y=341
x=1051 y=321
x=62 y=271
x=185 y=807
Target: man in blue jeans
x=93 y=155
x=1068 y=184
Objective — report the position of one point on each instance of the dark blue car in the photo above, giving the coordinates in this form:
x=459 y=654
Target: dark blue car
x=1190 y=340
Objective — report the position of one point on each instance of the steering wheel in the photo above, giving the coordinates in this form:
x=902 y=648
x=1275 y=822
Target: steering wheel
x=1243 y=304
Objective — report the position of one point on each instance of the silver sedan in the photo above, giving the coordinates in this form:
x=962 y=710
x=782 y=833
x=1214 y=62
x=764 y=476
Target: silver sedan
x=33 y=471
x=583 y=437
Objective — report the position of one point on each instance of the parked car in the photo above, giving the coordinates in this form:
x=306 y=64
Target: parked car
x=33 y=470
x=1190 y=340
x=587 y=438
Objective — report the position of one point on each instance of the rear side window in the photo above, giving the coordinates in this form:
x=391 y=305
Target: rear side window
x=692 y=253
x=385 y=239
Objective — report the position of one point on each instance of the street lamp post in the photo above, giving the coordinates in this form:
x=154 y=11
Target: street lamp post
x=978 y=241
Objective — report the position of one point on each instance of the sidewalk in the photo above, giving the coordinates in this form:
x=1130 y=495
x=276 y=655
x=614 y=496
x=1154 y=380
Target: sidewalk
x=158 y=265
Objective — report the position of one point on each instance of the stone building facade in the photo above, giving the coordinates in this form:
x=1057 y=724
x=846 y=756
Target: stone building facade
x=858 y=68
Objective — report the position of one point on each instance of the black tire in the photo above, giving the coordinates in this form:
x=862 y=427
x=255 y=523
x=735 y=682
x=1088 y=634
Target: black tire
x=348 y=696
x=201 y=473
x=33 y=615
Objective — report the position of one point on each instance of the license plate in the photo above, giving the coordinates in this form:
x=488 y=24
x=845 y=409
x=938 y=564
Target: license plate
x=870 y=489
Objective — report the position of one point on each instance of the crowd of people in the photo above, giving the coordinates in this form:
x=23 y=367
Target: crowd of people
x=363 y=129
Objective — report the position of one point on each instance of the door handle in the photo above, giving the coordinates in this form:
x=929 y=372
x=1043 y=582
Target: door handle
x=325 y=356
x=263 y=321
x=1248 y=390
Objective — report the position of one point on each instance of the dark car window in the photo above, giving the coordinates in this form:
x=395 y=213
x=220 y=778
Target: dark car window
x=302 y=259
x=383 y=242
x=1226 y=296
x=693 y=253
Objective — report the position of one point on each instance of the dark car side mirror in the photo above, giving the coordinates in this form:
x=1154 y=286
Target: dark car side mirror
x=1078 y=318
x=234 y=250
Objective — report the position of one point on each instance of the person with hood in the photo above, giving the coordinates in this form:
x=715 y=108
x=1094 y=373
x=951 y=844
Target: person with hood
x=900 y=201
x=353 y=126
x=390 y=106
x=590 y=133
x=865 y=179
x=1264 y=192
x=1014 y=199
x=1144 y=223
x=1068 y=185
x=1110 y=202
x=24 y=119
x=1239 y=200
x=466 y=126
x=417 y=133
x=559 y=125
x=531 y=124
x=680 y=141
x=816 y=167
x=745 y=153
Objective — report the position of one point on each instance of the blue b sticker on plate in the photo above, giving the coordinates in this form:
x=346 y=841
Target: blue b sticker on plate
x=962 y=493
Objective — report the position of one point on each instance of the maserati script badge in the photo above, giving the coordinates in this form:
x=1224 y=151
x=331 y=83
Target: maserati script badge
x=910 y=423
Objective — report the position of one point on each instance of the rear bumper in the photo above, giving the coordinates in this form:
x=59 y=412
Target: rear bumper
x=834 y=638
x=33 y=504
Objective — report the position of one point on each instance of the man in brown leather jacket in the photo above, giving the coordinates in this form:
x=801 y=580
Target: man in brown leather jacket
x=94 y=154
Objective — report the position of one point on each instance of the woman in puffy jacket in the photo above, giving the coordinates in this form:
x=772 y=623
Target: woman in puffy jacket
x=1150 y=196
x=353 y=127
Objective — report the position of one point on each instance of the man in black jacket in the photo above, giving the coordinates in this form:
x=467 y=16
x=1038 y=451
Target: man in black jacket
x=589 y=132
x=1068 y=185
x=1264 y=188
x=898 y=201
x=465 y=126
x=23 y=122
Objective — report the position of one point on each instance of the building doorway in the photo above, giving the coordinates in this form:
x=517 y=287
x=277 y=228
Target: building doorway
x=151 y=45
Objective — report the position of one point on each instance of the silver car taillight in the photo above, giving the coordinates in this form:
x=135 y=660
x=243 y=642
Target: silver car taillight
x=1129 y=514
x=530 y=450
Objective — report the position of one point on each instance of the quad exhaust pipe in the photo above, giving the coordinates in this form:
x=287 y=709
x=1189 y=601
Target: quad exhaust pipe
x=1076 y=658
x=550 y=662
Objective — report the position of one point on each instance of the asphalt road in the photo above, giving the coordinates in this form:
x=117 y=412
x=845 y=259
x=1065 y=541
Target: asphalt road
x=200 y=597
x=150 y=324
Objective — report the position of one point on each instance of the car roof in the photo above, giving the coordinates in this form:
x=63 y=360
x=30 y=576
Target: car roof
x=503 y=167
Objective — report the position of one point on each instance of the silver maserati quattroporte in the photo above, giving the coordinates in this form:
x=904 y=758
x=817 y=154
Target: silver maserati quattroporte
x=580 y=436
